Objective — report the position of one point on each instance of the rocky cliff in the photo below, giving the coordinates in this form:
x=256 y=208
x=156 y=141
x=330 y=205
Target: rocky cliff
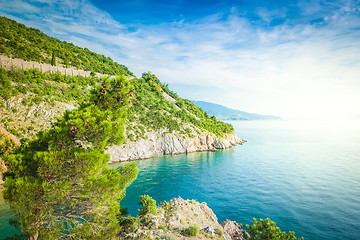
x=158 y=143
x=184 y=214
x=27 y=120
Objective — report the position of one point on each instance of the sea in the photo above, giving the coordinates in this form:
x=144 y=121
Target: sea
x=303 y=175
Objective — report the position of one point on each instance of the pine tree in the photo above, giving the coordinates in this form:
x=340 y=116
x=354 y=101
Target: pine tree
x=59 y=185
x=267 y=229
x=53 y=60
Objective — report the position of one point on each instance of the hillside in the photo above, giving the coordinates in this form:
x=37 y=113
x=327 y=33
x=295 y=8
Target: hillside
x=159 y=121
x=69 y=126
x=19 y=41
x=225 y=113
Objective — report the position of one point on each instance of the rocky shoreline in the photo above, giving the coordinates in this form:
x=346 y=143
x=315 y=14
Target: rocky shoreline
x=185 y=214
x=159 y=143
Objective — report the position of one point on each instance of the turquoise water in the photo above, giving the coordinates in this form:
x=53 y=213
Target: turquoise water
x=5 y=213
x=303 y=175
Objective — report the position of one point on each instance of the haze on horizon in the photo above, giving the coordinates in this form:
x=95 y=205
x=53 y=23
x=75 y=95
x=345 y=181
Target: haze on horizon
x=294 y=60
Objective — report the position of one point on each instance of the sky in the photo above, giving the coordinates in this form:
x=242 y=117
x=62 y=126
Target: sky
x=291 y=58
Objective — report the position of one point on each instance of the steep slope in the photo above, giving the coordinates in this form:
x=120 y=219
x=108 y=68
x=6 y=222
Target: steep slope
x=159 y=121
x=19 y=41
x=225 y=113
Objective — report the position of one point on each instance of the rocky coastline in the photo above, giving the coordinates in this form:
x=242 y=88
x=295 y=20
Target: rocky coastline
x=185 y=214
x=160 y=143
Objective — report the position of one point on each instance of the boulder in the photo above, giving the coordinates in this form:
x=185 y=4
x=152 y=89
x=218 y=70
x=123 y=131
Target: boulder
x=233 y=230
x=209 y=230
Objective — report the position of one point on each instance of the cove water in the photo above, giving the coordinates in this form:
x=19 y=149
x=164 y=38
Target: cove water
x=305 y=176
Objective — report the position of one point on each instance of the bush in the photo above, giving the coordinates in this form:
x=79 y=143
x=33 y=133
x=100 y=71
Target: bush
x=162 y=227
x=129 y=224
x=191 y=231
x=267 y=229
x=218 y=232
x=149 y=205
x=169 y=212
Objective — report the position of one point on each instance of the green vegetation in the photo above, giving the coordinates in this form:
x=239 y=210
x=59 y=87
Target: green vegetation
x=58 y=185
x=218 y=232
x=53 y=59
x=7 y=145
x=19 y=41
x=267 y=229
x=44 y=86
x=129 y=224
x=169 y=212
x=148 y=205
x=152 y=110
x=162 y=227
x=192 y=231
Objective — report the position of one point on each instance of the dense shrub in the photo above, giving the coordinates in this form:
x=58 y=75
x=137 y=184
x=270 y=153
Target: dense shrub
x=129 y=224
x=148 y=205
x=267 y=229
x=191 y=231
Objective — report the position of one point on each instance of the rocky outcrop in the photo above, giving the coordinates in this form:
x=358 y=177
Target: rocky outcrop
x=186 y=213
x=27 y=119
x=159 y=143
x=233 y=230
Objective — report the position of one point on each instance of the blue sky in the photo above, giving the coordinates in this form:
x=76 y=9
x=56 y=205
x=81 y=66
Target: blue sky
x=289 y=58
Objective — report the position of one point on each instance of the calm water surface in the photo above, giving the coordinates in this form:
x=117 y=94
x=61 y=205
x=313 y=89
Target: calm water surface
x=303 y=175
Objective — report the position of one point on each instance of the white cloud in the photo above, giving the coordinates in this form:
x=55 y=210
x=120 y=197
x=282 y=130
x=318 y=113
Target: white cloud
x=18 y=6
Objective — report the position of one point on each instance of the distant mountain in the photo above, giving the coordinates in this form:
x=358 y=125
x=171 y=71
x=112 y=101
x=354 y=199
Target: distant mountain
x=225 y=113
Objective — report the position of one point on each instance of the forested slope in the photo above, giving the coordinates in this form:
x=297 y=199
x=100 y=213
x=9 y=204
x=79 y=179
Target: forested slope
x=30 y=99
x=19 y=41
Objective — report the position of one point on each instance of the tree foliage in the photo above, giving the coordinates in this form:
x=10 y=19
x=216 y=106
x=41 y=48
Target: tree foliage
x=148 y=205
x=58 y=185
x=192 y=231
x=153 y=111
x=267 y=230
x=53 y=59
x=45 y=86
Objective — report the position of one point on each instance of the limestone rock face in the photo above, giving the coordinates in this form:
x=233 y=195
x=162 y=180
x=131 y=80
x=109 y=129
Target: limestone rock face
x=186 y=213
x=159 y=143
x=191 y=212
x=233 y=230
